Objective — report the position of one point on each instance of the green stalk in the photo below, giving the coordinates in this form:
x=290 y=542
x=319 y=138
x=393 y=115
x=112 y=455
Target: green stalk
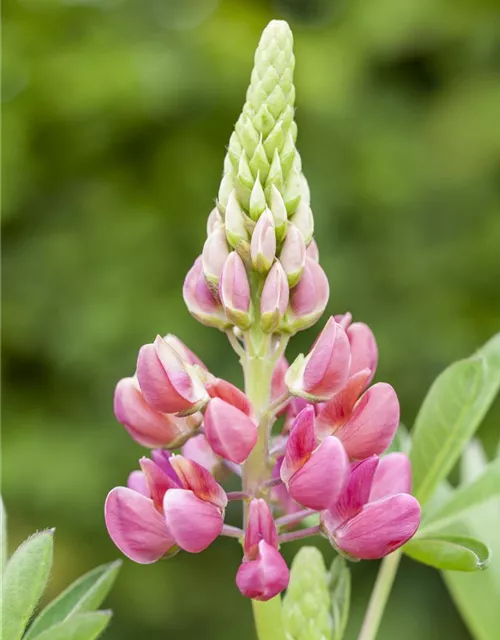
x=380 y=596
x=258 y=371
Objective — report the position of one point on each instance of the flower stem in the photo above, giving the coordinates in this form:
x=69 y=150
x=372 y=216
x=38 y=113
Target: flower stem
x=380 y=595
x=300 y=533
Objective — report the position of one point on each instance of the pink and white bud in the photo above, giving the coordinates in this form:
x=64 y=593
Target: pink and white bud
x=366 y=426
x=200 y=301
x=200 y=451
x=168 y=383
x=274 y=298
x=313 y=473
x=264 y=576
x=220 y=388
x=312 y=251
x=308 y=299
x=304 y=221
x=136 y=527
x=185 y=353
x=149 y=427
x=214 y=221
x=263 y=244
x=293 y=254
x=234 y=292
x=229 y=431
x=214 y=255
x=324 y=370
x=366 y=524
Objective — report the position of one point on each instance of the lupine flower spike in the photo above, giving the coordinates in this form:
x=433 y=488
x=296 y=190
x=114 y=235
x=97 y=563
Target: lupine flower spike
x=259 y=280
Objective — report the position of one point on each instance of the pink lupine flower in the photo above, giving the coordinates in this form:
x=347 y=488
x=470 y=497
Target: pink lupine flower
x=293 y=254
x=220 y=388
x=263 y=573
x=231 y=433
x=367 y=425
x=324 y=370
x=263 y=244
x=168 y=383
x=185 y=512
x=314 y=473
x=308 y=299
x=200 y=451
x=372 y=518
x=201 y=302
x=149 y=427
x=234 y=292
x=274 y=298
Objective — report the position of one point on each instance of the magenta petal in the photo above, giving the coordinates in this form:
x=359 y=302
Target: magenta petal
x=156 y=384
x=357 y=489
x=301 y=443
x=158 y=481
x=135 y=526
x=194 y=523
x=229 y=431
x=260 y=526
x=380 y=527
x=318 y=483
x=393 y=475
x=373 y=423
x=265 y=577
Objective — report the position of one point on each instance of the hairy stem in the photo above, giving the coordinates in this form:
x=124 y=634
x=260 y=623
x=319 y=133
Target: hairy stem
x=380 y=595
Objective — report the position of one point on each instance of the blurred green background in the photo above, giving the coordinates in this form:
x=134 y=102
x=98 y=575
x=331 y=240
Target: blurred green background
x=116 y=115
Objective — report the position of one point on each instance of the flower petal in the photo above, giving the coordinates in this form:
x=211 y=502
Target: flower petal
x=158 y=481
x=193 y=523
x=393 y=475
x=264 y=577
x=260 y=527
x=229 y=431
x=301 y=443
x=200 y=451
x=364 y=351
x=137 y=482
x=197 y=479
x=136 y=527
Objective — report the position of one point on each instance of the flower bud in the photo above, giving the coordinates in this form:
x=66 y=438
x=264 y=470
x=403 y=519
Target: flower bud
x=263 y=245
x=293 y=255
x=168 y=384
x=200 y=301
x=312 y=251
x=278 y=210
x=234 y=292
x=236 y=232
x=214 y=221
x=257 y=200
x=324 y=370
x=229 y=431
x=274 y=298
x=275 y=177
x=148 y=427
x=308 y=299
x=313 y=474
x=304 y=221
x=265 y=576
x=185 y=353
x=137 y=482
x=260 y=527
x=260 y=165
x=215 y=253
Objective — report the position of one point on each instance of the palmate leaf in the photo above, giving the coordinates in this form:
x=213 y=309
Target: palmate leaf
x=81 y=626
x=446 y=551
x=85 y=594
x=24 y=581
x=451 y=412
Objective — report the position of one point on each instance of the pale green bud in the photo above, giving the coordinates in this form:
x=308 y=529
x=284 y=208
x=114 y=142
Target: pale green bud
x=257 y=200
x=226 y=186
x=236 y=233
x=259 y=164
x=306 y=605
x=275 y=176
x=279 y=212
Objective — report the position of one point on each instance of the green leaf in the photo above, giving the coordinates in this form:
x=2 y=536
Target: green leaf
x=467 y=498
x=85 y=594
x=81 y=626
x=340 y=586
x=455 y=553
x=450 y=414
x=3 y=536
x=474 y=593
x=24 y=581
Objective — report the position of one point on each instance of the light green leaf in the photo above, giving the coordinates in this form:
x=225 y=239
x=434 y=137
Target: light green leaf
x=24 y=581
x=85 y=594
x=450 y=414
x=3 y=536
x=340 y=585
x=455 y=553
x=474 y=593
x=467 y=498
x=81 y=626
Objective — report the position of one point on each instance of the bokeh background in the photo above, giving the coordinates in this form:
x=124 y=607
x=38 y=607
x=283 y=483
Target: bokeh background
x=116 y=114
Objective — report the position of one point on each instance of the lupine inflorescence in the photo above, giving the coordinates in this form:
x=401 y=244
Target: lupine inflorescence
x=259 y=280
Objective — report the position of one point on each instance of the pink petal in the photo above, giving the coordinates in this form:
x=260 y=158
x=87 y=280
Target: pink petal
x=380 y=528
x=344 y=320
x=219 y=388
x=162 y=458
x=278 y=386
x=229 y=431
x=185 y=353
x=137 y=482
x=194 y=523
x=373 y=423
x=197 y=479
x=158 y=481
x=199 y=450
x=356 y=491
x=265 y=577
x=136 y=527
x=393 y=475
x=301 y=443
x=364 y=351
x=318 y=483
x=260 y=527
x=200 y=301
x=309 y=297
